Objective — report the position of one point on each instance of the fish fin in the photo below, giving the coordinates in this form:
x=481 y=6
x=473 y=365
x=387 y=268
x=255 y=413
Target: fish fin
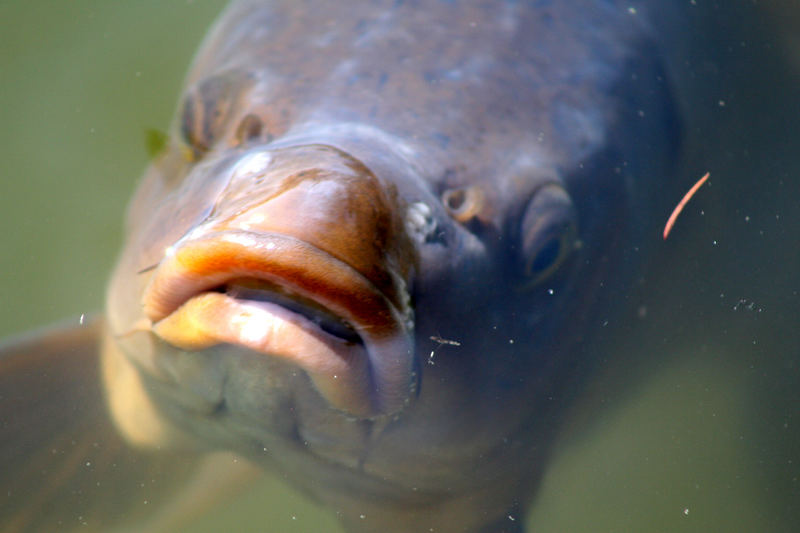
x=64 y=466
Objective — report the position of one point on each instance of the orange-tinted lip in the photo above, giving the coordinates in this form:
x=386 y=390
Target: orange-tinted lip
x=367 y=378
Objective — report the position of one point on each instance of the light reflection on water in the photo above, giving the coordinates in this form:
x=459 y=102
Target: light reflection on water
x=691 y=425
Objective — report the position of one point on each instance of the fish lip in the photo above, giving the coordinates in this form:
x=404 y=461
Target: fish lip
x=384 y=360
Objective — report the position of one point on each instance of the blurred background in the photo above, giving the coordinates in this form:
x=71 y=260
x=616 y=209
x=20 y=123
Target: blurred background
x=693 y=422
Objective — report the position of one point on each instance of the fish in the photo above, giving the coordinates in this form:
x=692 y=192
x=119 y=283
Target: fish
x=343 y=192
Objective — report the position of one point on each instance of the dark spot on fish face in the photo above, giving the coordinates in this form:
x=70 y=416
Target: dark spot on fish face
x=250 y=129
x=442 y=140
x=382 y=79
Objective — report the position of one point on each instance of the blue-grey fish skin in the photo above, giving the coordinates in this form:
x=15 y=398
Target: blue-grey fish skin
x=519 y=148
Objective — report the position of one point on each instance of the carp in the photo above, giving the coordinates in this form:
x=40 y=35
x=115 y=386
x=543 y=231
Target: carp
x=373 y=254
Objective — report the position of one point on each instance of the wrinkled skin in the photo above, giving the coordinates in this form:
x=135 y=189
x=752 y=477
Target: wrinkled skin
x=347 y=190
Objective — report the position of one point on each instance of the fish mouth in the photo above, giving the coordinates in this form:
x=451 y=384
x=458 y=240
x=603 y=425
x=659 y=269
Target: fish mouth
x=286 y=298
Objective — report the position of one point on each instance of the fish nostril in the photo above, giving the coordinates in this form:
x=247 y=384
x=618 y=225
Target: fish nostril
x=454 y=199
x=463 y=203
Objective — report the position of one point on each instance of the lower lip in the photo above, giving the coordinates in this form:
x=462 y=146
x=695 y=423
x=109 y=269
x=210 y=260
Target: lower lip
x=339 y=369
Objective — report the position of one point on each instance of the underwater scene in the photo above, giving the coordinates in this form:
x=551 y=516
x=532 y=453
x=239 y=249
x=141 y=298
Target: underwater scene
x=682 y=417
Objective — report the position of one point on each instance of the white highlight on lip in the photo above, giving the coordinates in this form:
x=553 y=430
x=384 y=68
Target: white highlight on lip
x=240 y=238
x=251 y=165
x=252 y=219
x=251 y=328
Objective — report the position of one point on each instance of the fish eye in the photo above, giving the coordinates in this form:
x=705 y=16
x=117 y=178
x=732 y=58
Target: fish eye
x=548 y=232
x=208 y=108
x=463 y=203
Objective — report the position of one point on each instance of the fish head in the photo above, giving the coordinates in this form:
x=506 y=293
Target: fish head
x=381 y=285
x=319 y=265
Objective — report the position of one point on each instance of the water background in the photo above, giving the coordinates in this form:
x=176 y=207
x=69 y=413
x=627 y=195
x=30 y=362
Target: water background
x=693 y=422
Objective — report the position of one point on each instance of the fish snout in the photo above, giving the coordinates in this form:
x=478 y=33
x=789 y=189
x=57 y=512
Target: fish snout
x=304 y=257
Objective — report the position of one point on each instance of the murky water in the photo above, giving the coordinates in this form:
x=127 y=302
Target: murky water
x=692 y=424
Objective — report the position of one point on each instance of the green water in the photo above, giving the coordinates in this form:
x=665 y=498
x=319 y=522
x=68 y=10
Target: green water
x=690 y=426
x=81 y=83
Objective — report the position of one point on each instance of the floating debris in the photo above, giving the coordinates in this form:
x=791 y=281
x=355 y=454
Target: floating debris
x=682 y=203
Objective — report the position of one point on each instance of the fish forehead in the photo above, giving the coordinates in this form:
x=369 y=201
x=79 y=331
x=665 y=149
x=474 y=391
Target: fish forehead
x=479 y=90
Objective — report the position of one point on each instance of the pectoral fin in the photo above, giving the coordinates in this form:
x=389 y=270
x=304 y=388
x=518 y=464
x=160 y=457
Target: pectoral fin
x=63 y=465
